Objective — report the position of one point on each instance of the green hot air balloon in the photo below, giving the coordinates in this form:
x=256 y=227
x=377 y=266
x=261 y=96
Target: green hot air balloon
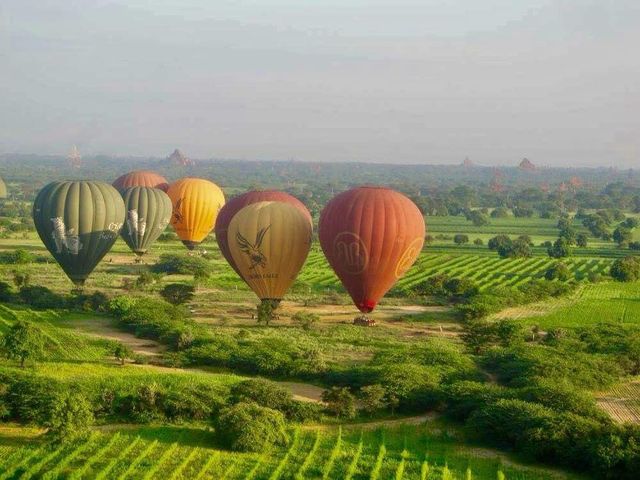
x=148 y=214
x=78 y=222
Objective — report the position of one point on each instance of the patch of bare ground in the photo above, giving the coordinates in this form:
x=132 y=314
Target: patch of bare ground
x=104 y=328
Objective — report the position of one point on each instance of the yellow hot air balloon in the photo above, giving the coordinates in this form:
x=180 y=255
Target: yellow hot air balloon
x=196 y=203
x=269 y=243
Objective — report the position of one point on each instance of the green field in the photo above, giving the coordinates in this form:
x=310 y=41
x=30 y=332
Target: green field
x=428 y=451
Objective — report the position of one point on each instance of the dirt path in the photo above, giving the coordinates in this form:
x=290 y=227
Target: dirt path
x=104 y=328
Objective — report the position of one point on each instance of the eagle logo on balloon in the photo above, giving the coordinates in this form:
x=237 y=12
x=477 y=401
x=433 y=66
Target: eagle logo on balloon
x=253 y=250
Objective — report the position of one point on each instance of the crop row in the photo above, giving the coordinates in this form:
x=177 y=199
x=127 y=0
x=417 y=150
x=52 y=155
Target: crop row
x=312 y=454
x=486 y=271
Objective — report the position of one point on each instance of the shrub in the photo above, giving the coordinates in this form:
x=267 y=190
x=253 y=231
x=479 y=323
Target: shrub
x=122 y=352
x=170 y=264
x=478 y=241
x=582 y=240
x=6 y=292
x=373 y=398
x=460 y=239
x=177 y=293
x=340 y=402
x=22 y=342
x=263 y=392
x=500 y=212
x=499 y=241
x=626 y=269
x=558 y=271
x=305 y=319
x=248 y=427
x=40 y=297
x=561 y=248
x=70 y=416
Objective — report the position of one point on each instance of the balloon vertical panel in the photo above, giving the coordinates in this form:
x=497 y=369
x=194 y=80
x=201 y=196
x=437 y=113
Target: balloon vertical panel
x=78 y=222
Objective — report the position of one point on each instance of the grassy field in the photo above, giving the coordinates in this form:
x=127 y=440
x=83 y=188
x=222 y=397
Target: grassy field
x=610 y=302
x=427 y=451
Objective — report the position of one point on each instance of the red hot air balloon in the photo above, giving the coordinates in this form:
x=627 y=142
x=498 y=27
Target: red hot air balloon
x=141 y=178
x=236 y=204
x=371 y=237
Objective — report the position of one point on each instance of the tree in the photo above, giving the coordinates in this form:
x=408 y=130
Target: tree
x=70 y=416
x=340 y=402
x=248 y=427
x=558 y=271
x=122 y=352
x=460 y=239
x=372 y=398
x=21 y=279
x=478 y=218
x=177 y=293
x=305 y=319
x=626 y=269
x=582 y=240
x=499 y=241
x=263 y=392
x=23 y=341
x=500 y=212
x=622 y=235
x=519 y=248
x=265 y=311
x=559 y=249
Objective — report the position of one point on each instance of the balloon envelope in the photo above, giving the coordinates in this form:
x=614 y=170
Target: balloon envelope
x=371 y=236
x=269 y=243
x=148 y=214
x=196 y=203
x=238 y=203
x=78 y=222
x=141 y=178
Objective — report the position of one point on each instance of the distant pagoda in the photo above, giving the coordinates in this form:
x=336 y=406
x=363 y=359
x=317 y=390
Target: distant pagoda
x=527 y=165
x=180 y=159
x=74 y=158
x=468 y=163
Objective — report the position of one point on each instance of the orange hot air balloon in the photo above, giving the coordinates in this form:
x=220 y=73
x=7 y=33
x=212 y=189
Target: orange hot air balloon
x=371 y=237
x=238 y=203
x=196 y=203
x=141 y=178
x=269 y=243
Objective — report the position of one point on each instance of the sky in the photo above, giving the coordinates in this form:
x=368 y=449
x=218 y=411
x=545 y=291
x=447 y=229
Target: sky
x=393 y=81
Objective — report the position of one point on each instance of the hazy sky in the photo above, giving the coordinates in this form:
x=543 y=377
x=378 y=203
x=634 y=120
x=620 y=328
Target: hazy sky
x=407 y=81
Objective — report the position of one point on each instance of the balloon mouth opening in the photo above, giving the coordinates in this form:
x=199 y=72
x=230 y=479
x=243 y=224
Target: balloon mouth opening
x=79 y=283
x=190 y=244
x=139 y=253
x=366 y=306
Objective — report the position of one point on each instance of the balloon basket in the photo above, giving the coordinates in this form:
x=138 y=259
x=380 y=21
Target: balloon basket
x=364 y=321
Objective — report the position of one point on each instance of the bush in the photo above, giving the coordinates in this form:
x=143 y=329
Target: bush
x=626 y=269
x=263 y=392
x=519 y=248
x=478 y=241
x=460 y=239
x=499 y=241
x=558 y=271
x=306 y=320
x=561 y=248
x=500 y=212
x=6 y=292
x=41 y=298
x=70 y=416
x=177 y=293
x=248 y=427
x=340 y=402
x=170 y=264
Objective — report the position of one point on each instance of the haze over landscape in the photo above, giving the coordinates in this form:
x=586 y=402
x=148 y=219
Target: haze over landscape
x=395 y=82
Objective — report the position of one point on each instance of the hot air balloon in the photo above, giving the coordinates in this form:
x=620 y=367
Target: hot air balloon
x=3 y=189
x=141 y=178
x=269 y=243
x=236 y=204
x=78 y=222
x=148 y=214
x=196 y=203
x=371 y=237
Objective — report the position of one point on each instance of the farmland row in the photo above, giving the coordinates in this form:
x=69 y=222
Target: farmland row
x=401 y=454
